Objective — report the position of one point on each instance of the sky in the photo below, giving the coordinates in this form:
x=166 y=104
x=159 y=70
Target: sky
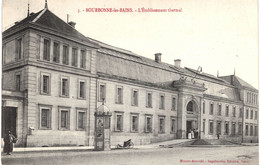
x=218 y=35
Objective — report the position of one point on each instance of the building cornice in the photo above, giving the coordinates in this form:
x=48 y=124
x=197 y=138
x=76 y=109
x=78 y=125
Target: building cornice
x=51 y=66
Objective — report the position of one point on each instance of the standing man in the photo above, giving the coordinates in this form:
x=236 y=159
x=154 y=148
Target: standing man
x=8 y=146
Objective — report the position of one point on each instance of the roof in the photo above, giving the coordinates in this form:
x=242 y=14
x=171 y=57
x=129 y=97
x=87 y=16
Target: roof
x=46 y=18
x=49 y=20
x=236 y=81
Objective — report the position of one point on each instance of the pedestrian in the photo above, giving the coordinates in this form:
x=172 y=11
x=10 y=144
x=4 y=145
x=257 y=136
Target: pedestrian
x=189 y=135
x=218 y=135
x=9 y=139
x=192 y=134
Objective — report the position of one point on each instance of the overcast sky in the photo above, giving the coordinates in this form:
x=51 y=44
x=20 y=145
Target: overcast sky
x=218 y=35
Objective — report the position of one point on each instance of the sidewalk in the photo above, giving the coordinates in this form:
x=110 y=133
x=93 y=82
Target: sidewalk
x=84 y=148
x=249 y=144
x=170 y=143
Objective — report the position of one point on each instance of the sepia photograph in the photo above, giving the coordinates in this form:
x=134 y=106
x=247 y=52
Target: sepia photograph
x=130 y=82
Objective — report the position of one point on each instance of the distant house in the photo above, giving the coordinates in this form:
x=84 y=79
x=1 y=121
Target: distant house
x=54 y=78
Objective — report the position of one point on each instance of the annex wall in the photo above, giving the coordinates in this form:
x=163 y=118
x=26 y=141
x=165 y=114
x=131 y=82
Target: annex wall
x=126 y=108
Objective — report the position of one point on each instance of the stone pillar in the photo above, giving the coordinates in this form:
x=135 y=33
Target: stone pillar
x=92 y=97
x=181 y=117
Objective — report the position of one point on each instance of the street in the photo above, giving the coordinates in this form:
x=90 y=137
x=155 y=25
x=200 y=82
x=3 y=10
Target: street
x=247 y=155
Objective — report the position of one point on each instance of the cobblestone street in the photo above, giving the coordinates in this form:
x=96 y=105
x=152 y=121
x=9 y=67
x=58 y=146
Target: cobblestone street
x=247 y=155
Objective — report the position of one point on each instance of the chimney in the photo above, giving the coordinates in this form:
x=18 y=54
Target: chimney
x=177 y=63
x=71 y=23
x=158 y=57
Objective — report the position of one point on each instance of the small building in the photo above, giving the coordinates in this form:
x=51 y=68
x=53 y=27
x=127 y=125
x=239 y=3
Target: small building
x=54 y=78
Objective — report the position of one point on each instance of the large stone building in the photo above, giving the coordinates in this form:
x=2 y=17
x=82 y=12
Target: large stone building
x=54 y=78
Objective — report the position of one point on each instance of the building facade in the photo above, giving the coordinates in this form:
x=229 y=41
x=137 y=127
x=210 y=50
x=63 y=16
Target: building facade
x=54 y=78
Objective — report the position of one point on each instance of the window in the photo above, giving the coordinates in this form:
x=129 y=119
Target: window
x=227 y=110
x=240 y=112
x=233 y=129
x=19 y=48
x=173 y=125
x=247 y=113
x=161 y=103
x=64 y=86
x=18 y=82
x=219 y=109
x=4 y=54
x=251 y=130
x=65 y=56
x=45 y=83
x=190 y=107
x=211 y=108
x=255 y=115
x=74 y=57
x=64 y=118
x=45 y=116
x=119 y=121
x=134 y=122
x=149 y=100
x=203 y=125
x=234 y=112
x=226 y=128
x=82 y=89
x=251 y=114
x=46 y=50
x=135 y=98
x=102 y=92
x=211 y=127
x=56 y=52
x=256 y=131
x=174 y=104
x=83 y=59
x=218 y=131
x=203 y=107
x=161 y=124
x=148 y=124
x=240 y=128
x=119 y=95
x=246 y=133
x=81 y=118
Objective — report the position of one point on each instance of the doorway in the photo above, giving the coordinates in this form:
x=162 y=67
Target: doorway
x=188 y=127
x=9 y=115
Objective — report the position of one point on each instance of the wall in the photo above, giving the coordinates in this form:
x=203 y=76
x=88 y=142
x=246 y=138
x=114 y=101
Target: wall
x=140 y=137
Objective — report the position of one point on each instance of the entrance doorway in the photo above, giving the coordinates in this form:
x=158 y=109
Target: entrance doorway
x=188 y=127
x=9 y=115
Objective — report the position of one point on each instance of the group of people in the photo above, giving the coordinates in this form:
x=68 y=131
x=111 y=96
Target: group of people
x=193 y=134
x=9 y=139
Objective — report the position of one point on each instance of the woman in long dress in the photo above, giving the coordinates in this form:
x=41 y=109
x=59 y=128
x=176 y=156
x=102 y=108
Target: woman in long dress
x=8 y=145
x=192 y=134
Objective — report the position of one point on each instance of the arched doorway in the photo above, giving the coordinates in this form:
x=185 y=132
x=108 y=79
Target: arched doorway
x=192 y=119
